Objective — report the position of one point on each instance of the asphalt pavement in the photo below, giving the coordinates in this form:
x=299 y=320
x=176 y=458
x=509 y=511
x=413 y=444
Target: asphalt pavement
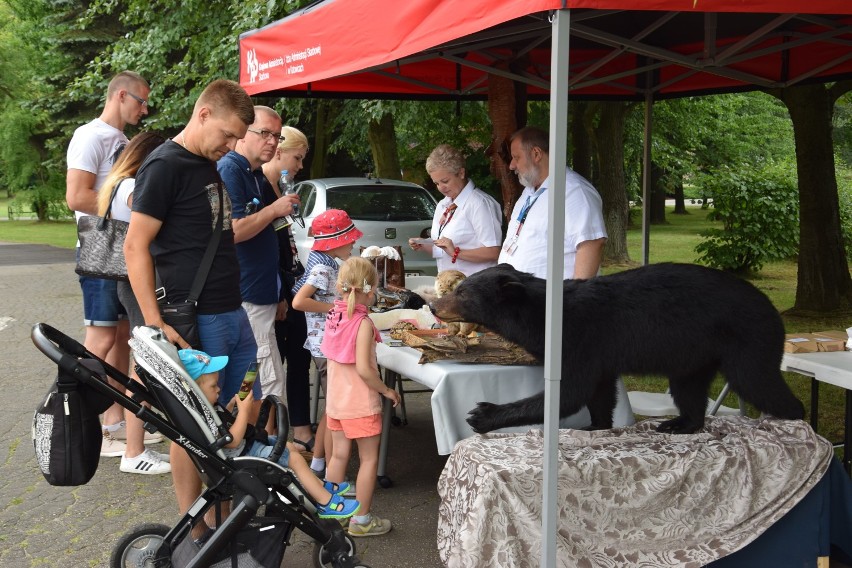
x=65 y=527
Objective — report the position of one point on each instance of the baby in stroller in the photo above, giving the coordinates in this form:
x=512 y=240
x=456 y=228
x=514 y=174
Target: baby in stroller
x=204 y=369
x=266 y=501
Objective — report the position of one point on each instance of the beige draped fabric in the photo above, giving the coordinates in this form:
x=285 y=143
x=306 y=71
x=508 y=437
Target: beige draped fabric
x=628 y=496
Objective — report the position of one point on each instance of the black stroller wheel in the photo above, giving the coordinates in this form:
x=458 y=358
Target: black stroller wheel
x=322 y=558
x=137 y=548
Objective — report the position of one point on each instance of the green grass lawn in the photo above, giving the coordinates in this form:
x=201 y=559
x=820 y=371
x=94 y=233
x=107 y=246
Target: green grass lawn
x=61 y=234
x=6 y=202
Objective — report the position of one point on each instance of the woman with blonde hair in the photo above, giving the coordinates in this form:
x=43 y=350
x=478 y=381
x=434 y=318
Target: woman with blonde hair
x=136 y=458
x=466 y=231
x=291 y=328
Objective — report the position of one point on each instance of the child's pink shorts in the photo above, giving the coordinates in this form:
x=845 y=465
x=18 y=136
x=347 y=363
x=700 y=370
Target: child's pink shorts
x=364 y=427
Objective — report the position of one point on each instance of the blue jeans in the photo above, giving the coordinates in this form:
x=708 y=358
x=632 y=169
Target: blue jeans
x=262 y=451
x=229 y=334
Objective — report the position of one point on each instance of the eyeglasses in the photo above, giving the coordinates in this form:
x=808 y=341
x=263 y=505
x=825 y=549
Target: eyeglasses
x=268 y=135
x=139 y=100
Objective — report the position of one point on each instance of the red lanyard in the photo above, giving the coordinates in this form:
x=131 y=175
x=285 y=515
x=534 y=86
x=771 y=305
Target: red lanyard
x=446 y=217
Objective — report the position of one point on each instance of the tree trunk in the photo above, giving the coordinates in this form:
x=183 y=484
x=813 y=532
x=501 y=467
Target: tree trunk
x=680 y=202
x=327 y=111
x=581 y=139
x=382 y=137
x=609 y=142
x=502 y=109
x=658 y=196
x=824 y=284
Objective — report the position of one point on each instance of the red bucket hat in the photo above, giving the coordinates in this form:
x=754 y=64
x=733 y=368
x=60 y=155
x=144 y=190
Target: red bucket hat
x=331 y=229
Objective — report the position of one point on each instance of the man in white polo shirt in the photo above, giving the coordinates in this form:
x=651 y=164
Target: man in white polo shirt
x=525 y=246
x=91 y=154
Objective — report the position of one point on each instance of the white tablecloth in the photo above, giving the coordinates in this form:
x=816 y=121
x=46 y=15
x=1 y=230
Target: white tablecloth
x=459 y=386
x=834 y=368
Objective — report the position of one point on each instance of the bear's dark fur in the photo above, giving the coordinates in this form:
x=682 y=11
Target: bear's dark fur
x=686 y=322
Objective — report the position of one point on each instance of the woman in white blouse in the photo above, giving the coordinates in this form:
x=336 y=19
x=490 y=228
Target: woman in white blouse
x=466 y=230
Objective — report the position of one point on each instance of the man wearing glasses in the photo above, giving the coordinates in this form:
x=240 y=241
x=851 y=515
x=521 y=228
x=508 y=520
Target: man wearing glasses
x=257 y=243
x=91 y=154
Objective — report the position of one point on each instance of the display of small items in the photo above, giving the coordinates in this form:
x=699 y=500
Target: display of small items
x=387 y=298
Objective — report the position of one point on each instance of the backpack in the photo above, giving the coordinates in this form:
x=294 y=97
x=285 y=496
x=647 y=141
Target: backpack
x=66 y=428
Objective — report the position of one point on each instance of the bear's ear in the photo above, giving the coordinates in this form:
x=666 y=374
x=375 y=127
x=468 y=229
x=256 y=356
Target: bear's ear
x=510 y=287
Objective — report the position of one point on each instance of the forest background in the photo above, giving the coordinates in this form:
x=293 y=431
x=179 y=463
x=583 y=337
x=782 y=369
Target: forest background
x=735 y=153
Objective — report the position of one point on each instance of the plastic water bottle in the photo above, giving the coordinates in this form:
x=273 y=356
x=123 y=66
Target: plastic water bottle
x=285 y=185
x=251 y=206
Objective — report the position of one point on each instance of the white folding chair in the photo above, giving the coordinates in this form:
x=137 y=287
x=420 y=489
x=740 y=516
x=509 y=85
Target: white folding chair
x=662 y=404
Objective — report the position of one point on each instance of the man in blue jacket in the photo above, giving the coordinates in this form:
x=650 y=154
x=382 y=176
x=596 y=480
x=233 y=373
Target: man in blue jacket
x=257 y=244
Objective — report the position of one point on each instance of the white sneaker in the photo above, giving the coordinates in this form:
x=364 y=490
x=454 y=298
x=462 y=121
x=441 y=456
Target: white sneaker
x=112 y=448
x=146 y=463
x=163 y=457
x=121 y=434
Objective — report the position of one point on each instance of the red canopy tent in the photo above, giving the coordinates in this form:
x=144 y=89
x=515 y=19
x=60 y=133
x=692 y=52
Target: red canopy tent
x=446 y=49
x=624 y=49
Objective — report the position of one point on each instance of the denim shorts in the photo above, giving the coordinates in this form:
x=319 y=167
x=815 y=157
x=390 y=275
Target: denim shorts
x=230 y=334
x=259 y=450
x=101 y=306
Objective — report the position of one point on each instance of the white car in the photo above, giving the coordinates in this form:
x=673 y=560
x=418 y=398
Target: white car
x=388 y=212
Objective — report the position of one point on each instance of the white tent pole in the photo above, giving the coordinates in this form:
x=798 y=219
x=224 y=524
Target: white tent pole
x=646 y=170
x=560 y=23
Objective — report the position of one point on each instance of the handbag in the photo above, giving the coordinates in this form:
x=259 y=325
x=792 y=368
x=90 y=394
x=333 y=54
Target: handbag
x=66 y=428
x=182 y=316
x=102 y=244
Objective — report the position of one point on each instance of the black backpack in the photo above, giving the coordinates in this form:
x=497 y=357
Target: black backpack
x=67 y=431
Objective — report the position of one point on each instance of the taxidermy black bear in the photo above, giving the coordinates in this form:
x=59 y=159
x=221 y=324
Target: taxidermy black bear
x=683 y=321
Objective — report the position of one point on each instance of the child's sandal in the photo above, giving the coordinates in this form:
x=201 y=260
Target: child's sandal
x=336 y=488
x=338 y=508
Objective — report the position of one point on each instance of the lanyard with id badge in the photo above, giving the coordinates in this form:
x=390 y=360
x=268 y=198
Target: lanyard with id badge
x=512 y=244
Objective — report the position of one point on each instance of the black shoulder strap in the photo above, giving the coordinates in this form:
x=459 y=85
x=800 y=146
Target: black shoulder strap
x=108 y=212
x=207 y=261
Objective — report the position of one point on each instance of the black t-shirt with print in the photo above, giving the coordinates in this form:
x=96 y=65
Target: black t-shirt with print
x=181 y=189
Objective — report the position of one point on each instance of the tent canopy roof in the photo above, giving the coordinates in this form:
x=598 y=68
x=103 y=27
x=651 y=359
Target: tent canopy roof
x=445 y=49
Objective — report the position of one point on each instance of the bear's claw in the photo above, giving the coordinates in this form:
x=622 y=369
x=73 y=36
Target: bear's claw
x=481 y=418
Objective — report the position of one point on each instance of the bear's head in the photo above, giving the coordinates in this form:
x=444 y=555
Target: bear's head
x=490 y=298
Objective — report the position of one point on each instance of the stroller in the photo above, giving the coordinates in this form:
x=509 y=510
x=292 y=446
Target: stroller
x=267 y=501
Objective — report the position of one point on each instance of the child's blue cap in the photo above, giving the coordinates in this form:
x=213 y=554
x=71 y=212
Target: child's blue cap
x=199 y=363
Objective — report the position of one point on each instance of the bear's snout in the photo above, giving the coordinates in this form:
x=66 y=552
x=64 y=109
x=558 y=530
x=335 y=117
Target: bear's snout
x=444 y=308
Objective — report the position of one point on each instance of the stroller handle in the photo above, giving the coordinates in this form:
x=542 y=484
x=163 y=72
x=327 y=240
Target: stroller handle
x=282 y=420
x=54 y=343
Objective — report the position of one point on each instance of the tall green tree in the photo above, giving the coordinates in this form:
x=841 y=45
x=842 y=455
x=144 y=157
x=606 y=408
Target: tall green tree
x=824 y=284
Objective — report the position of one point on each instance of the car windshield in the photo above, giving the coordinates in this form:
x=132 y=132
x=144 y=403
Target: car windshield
x=382 y=203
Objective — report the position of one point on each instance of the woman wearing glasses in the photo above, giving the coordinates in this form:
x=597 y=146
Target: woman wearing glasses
x=466 y=229
x=292 y=331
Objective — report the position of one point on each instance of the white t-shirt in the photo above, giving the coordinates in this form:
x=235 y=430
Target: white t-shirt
x=94 y=148
x=120 y=210
x=475 y=223
x=583 y=222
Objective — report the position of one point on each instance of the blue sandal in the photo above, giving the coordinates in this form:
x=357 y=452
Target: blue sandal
x=336 y=488
x=338 y=508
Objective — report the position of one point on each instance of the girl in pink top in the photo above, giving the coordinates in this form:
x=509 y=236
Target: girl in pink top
x=355 y=389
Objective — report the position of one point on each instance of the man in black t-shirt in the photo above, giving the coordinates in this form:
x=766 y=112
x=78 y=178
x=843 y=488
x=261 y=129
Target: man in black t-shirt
x=176 y=205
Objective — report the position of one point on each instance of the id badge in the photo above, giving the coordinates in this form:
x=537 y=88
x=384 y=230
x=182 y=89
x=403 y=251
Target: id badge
x=511 y=245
